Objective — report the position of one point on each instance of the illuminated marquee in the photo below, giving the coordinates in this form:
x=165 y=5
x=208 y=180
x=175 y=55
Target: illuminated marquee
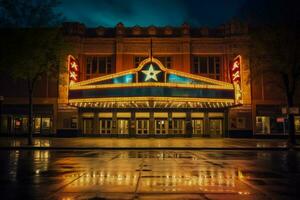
x=73 y=70
x=151 y=85
x=235 y=72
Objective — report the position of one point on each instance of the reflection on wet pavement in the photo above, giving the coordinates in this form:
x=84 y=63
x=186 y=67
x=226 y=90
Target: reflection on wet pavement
x=177 y=174
x=87 y=142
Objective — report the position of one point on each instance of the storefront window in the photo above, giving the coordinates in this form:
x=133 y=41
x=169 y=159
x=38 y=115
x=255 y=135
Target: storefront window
x=263 y=124
x=297 y=124
x=37 y=125
x=46 y=123
x=20 y=124
x=4 y=124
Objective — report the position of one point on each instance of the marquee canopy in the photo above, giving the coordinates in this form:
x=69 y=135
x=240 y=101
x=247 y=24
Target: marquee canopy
x=152 y=85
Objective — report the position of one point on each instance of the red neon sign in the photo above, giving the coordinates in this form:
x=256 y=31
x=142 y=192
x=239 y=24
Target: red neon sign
x=235 y=74
x=73 y=70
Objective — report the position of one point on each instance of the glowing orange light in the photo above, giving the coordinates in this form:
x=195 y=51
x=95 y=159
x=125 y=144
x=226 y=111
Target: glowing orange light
x=235 y=71
x=73 y=70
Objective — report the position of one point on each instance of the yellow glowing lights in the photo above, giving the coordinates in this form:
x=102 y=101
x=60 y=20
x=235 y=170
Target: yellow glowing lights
x=73 y=68
x=152 y=84
x=151 y=73
x=155 y=102
x=235 y=70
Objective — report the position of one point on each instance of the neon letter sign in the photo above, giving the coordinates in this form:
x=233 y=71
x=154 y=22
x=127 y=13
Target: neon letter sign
x=235 y=73
x=73 y=70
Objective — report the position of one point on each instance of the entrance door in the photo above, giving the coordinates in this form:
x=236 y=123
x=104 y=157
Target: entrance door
x=87 y=126
x=123 y=126
x=197 y=126
x=161 y=126
x=105 y=126
x=142 y=127
x=215 y=127
x=177 y=126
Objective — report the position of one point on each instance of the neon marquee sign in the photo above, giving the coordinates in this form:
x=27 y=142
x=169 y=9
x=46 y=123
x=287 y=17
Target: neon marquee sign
x=235 y=74
x=73 y=70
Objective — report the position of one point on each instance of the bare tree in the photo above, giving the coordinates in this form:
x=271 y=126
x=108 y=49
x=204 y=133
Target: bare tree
x=275 y=47
x=31 y=43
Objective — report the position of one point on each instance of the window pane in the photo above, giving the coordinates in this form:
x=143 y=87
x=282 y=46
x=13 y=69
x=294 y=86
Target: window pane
x=46 y=123
x=138 y=60
x=88 y=65
x=102 y=65
x=94 y=65
x=196 y=69
x=211 y=65
x=217 y=68
x=195 y=59
x=203 y=65
x=109 y=68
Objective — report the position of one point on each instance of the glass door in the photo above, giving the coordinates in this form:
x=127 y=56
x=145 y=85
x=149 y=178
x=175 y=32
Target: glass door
x=197 y=126
x=161 y=126
x=87 y=126
x=105 y=126
x=37 y=125
x=46 y=124
x=177 y=126
x=215 y=127
x=142 y=127
x=123 y=126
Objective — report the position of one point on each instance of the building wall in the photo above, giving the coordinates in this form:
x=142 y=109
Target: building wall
x=180 y=43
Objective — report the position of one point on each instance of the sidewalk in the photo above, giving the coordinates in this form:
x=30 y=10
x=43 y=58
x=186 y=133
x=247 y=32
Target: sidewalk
x=146 y=143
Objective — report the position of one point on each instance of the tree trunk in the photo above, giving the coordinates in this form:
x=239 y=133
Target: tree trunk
x=30 y=116
x=291 y=122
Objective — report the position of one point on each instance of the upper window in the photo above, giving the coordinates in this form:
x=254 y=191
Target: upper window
x=138 y=60
x=166 y=61
x=97 y=65
x=207 y=65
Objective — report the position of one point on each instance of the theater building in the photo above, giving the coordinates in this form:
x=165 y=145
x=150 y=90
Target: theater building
x=153 y=82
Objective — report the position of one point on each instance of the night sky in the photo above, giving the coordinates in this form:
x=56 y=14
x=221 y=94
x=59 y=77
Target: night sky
x=108 y=13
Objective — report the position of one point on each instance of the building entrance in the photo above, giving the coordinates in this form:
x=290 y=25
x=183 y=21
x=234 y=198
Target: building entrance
x=105 y=126
x=87 y=126
x=142 y=126
x=177 y=126
x=157 y=124
x=215 y=127
x=123 y=126
x=161 y=126
x=198 y=127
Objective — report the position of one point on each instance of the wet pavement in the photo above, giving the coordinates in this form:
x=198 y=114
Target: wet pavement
x=96 y=142
x=149 y=174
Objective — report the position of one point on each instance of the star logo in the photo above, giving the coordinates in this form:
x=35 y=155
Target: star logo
x=151 y=73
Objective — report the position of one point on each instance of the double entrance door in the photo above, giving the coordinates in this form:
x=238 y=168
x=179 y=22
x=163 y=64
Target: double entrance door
x=142 y=127
x=87 y=125
x=123 y=126
x=105 y=126
x=214 y=128
x=161 y=127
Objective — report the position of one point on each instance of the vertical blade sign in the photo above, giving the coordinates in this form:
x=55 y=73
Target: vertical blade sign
x=73 y=70
x=235 y=72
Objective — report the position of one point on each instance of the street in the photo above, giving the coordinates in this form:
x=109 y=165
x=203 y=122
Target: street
x=149 y=174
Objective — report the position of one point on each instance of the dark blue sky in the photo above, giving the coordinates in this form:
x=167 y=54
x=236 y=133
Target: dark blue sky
x=150 y=12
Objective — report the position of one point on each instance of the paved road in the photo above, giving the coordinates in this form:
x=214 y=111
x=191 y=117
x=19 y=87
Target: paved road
x=133 y=174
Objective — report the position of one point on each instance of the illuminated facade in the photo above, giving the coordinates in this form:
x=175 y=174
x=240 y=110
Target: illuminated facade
x=153 y=82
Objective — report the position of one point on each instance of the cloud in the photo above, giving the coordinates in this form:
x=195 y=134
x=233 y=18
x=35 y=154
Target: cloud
x=149 y=12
